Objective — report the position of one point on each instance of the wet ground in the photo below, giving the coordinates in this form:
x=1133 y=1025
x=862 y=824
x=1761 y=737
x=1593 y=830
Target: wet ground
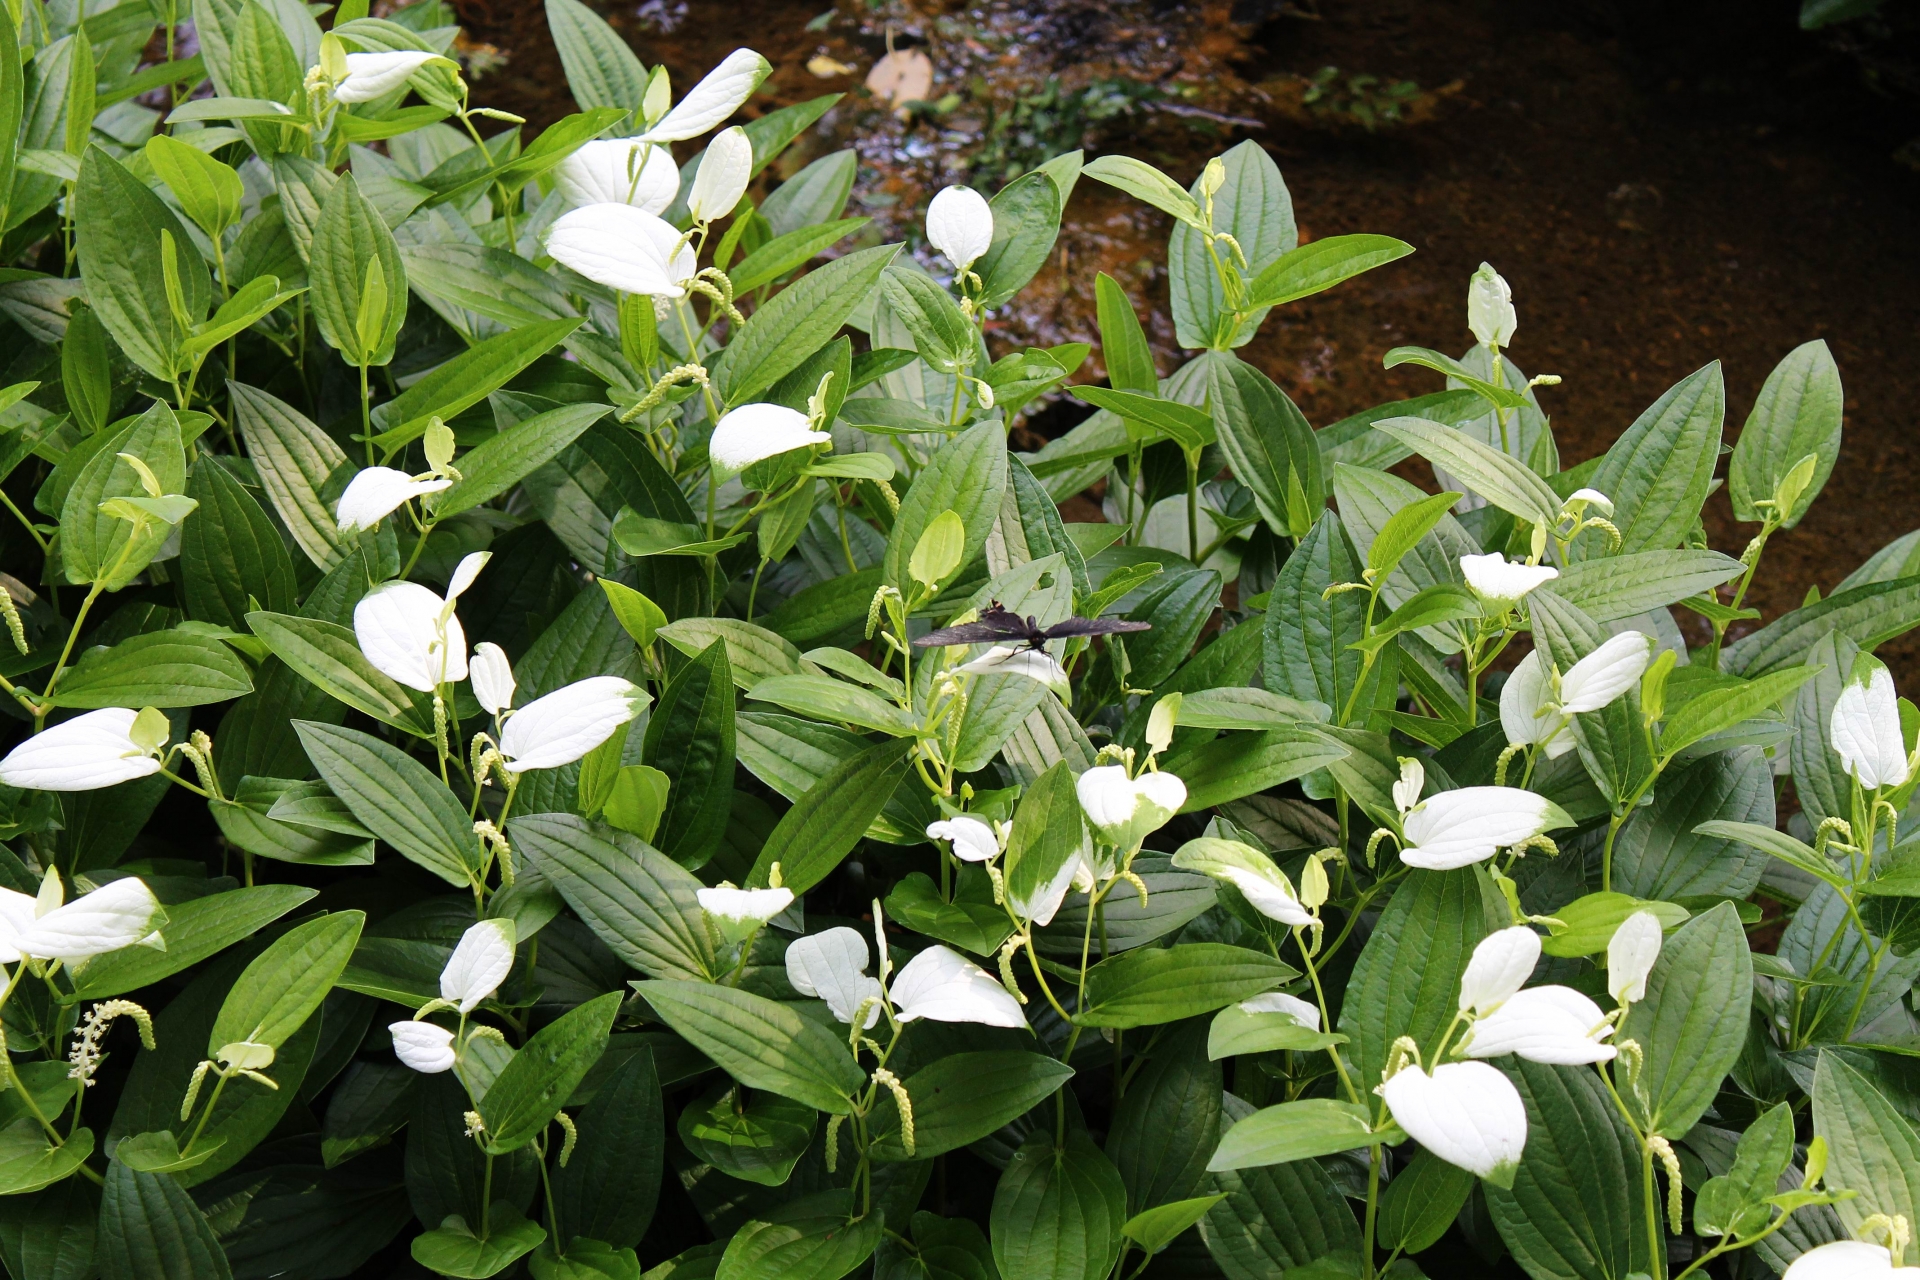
x=1661 y=190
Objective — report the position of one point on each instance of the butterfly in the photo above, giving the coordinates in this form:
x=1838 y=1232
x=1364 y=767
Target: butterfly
x=999 y=624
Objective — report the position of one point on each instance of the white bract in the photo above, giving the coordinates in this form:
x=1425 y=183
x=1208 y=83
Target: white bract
x=569 y=722
x=1501 y=581
x=619 y=171
x=1490 y=311
x=413 y=635
x=1301 y=1011
x=623 y=248
x=1865 y=730
x=1260 y=882
x=1554 y=1025
x=1124 y=811
x=749 y=907
x=945 y=986
x=755 y=432
x=1501 y=965
x=374 y=75
x=118 y=914
x=972 y=840
x=85 y=753
x=1844 y=1260
x=491 y=675
x=960 y=225
x=1528 y=713
x=1020 y=660
x=1606 y=673
x=1594 y=498
x=1466 y=1113
x=715 y=98
x=1042 y=903
x=478 y=965
x=725 y=170
x=832 y=966
x=1630 y=955
x=1458 y=828
x=423 y=1046
x=375 y=493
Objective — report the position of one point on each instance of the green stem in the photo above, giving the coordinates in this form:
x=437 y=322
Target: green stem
x=219 y=1087
x=1373 y=1210
x=1326 y=1022
x=366 y=414
x=1193 y=507
x=25 y=523
x=73 y=634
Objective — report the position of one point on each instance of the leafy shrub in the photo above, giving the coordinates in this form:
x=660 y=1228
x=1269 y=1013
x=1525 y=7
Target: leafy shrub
x=503 y=558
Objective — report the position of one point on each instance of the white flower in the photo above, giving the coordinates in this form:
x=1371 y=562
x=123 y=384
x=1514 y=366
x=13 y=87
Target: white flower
x=374 y=493
x=82 y=754
x=118 y=914
x=623 y=248
x=960 y=225
x=1865 y=730
x=1594 y=498
x=1466 y=1113
x=744 y=906
x=832 y=966
x=715 y=98
x=1844 y=1260
x=374 y=75
x=423 y=1046
x=947 y=987
x=1490 y=311
x=479 y=964
x=725 y=170
x=413 y=635
x=569 y=722
x=1528 y=713
x=1124 y=811
x=755 y=432
x=1020 y=660
x=1501 y=965
x=1606 y=673
x=1263 y=885
x=1500 y=581
x=1554 y=1025
x=1630 y=955
x=619 y=171
x=1301 y=1011
x=972 y=839
x=492 y=677
x=1458 y=828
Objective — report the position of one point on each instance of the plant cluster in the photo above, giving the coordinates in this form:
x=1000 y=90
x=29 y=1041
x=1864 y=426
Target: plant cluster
x=535 y=706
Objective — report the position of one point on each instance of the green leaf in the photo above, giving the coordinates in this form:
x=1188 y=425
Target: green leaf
x=500 y=286
x=1869 y=615
x=210 y=192
x=1318 y=266
x=96 y=546
x=690 y=738
x=285 y=984
x=964 y=1097
x=1776 y=843
x=1306 y=632
x=785 y=253
x=1123 y=343
x=824 y=824
x=1148 y=416
x=1163 y=1130
x=756 y=1140
x=1234 y=1031
x=796 y=322
x=1693 y=1022
x=86 y=375
x=452 y=1249
x=294 y=459
x=1291 y=1131
x=1500 y=478
x=29 y=1161
x=1421 y=1203
x=150 y=1229
x=761 y=1043
x=12 y=103
x=1145 y=183
x=1717 y=710
x=968 y=476
x=230 y=553
x=816 y=194
x=1798 y=412
x=194 y=931
x=359 y=282
x=607 y=1191
x=602 y=70
x=753 y=653
x=1242 y=764
x=465 y=380
x=814 y=1238
x=1407 y=979
x=1587 y=923
x=1871 y=1146
x=640 y=536
x=159 y=669
x=638 y=901
x=118 y=224
x=1659 y=853
x=1404 y=529
x=1058 y=1210
x=1493 y=393
x=1269 y=444
x=503 y=461
x=1155 y=1229
x=943 y=336
x=329 y=655
x=1254 y=207
x=1026 y=223
x=1153 y=986
x=1276 y=1218
x=1661 y=470
x=544 y=1073
x=51 y=1234
x=1575 y=1208
x=395 y=797
x=1625 y=586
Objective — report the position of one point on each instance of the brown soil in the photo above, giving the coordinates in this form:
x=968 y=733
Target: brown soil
x=1660 y=191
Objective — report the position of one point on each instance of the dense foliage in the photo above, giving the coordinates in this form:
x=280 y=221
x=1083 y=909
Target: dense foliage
x=488 y=785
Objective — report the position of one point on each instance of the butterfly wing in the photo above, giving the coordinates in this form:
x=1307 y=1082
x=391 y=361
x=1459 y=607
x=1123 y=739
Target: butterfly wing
x=1093 y=627
x=995 y=624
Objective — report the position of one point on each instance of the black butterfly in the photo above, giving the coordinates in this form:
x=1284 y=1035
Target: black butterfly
x=998 y=624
